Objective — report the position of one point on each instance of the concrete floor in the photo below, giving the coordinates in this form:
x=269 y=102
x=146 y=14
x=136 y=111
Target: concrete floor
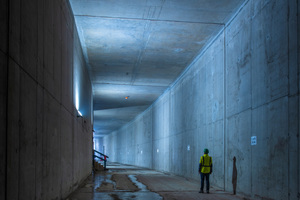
x=130 y=182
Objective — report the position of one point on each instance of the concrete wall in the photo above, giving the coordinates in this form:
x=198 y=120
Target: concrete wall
x=245 y=83
x=46 y=149
x=3 y=93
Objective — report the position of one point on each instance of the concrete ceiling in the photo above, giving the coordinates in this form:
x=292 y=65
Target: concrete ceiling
x=137 y=49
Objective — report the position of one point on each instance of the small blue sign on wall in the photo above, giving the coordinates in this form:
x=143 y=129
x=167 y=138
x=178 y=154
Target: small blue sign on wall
x=253 y=140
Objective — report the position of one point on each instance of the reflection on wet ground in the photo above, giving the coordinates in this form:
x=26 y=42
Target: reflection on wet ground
x=117 y=183
x=123 y=182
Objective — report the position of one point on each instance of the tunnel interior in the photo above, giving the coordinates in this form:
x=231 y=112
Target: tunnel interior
x=150 y=84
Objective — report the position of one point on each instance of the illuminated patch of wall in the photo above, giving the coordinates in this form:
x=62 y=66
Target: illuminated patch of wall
x=98 y=144
x=83 y=99
x=77 y=82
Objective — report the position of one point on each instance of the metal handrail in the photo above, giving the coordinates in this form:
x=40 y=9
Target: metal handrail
x=98 y=157
x=102 y=159
x=100 y=153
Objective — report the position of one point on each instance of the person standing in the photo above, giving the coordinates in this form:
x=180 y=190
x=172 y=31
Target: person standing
x=205 y=169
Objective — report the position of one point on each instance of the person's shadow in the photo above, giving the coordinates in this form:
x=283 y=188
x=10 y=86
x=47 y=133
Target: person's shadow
x=234 y=175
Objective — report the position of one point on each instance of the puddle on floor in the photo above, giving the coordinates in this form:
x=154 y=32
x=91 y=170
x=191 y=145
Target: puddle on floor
x=92 y=189
x=114 y=194
x=138 y=184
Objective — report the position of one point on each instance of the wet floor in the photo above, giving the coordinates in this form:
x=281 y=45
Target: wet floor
x=122 y=182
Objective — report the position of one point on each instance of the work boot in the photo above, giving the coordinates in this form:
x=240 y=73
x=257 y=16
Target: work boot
x=201 y=191
x=207 y=191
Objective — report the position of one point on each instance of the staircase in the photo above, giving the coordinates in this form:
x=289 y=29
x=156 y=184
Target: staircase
x=96 y=163
x=98 y=166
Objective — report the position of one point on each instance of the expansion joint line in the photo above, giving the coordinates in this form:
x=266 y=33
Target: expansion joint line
x=251 y=90
x=225 y=105
x=7 y=75
x=151 y=20
x=298 y=81
x=289 y=85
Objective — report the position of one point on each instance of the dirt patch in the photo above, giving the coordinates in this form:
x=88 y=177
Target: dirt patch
x=163 y=183
x=124 y=183
x=105 y=187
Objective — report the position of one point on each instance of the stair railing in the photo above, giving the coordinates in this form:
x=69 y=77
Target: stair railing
x=104 y=158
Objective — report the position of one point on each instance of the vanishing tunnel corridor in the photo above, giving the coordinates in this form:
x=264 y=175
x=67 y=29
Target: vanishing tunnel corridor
x=150 y=84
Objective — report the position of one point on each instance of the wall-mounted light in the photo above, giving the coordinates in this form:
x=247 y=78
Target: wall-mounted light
x=79 y=114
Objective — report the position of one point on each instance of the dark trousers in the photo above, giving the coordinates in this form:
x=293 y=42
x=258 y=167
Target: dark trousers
x=202 y=181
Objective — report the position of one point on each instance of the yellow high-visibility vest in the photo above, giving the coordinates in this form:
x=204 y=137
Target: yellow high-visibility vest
x=206 y=163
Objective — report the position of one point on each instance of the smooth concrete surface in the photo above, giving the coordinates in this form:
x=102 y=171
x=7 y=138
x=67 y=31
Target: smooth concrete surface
x=130 y=182
x=3 y=103
x=46 y=149
x=138 y=48
x=3 y=93
x=244 y=83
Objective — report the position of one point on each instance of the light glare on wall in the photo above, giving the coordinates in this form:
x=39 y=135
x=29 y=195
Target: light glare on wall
x=77 y=99
x=77 y=84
